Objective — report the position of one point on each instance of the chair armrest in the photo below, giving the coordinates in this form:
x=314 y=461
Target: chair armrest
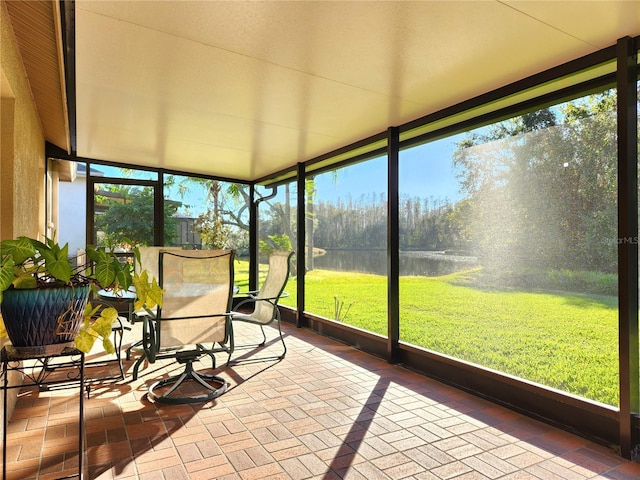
x=253 y=299
x=150 y=336
x=250 y=293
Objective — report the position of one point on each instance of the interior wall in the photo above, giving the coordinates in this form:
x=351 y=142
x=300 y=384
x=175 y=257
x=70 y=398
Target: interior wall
x=7 y=104
x=22 y=156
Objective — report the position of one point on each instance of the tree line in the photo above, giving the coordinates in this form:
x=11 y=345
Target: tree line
x=362 y=223
x=540 y=190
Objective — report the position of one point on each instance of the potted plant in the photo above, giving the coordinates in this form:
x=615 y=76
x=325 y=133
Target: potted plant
x=45 y=300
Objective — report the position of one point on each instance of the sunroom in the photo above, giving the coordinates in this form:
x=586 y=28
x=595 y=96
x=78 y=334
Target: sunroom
x=459 y=180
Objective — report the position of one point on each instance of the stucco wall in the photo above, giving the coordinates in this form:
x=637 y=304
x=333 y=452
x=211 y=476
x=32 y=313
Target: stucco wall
x=22 y=145
x=21 y=159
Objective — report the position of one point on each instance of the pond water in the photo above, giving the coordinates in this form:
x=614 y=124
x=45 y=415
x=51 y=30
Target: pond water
x=429 y=264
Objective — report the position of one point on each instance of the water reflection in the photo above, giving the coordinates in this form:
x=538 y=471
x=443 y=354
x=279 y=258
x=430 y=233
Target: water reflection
x=429 y=264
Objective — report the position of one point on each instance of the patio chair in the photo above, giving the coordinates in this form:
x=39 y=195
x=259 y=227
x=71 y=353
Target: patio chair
x=149 y=261
x=198 y=290
x=261 y=306
x=150 y=258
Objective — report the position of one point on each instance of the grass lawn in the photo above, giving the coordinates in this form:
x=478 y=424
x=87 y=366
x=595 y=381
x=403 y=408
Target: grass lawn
x=566 y=341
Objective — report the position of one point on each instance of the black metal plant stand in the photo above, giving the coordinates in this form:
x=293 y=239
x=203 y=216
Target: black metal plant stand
x=118 y=328
x=39 y=374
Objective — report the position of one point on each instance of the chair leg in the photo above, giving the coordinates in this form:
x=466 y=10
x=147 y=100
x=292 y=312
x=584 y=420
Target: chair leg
x=130 y=347
x=177 y=381
x=136 y=366
x=264 y=337
x=189 y=373
x=208 y=352
x=264 y=340
x=281 y=337
x=117 y=342
x=231 y=343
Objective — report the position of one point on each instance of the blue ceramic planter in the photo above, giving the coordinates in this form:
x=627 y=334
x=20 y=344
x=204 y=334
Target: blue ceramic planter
x=32 y=317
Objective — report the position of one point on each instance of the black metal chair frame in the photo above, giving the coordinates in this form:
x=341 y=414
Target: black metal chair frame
x=213 y=385
x=254 y=297
x=151 y=339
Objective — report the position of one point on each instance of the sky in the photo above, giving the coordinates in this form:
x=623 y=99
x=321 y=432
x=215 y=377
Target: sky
x=426 y=171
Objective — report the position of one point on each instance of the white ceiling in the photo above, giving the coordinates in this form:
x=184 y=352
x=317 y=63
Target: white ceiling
x=242 y=89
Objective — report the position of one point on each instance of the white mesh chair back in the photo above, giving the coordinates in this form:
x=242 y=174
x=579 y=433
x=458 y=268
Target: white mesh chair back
x=198 y=290
x=150 y=260
x=272 y=287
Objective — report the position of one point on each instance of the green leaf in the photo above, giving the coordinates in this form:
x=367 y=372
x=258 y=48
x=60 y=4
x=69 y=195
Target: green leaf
x=38 y=245
x=136 y=254
x=123 y=275
x=57 y=262
x=25 y=281
x=98 y=328
x=90 y=310
x=107 y=344
x=84 y=341
x=154 y=295
x=149 y=293
x=105 y=269
x=3 y=330
x=6 y=273
x=141 y=282
x=92 y=253
x=21 y=249
x=102 y=324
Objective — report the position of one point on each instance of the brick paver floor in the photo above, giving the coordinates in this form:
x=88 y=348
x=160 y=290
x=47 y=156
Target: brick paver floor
x=326 y=411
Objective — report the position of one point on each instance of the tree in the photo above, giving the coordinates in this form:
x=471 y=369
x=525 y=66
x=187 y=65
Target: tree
x=213 y=233
x=542 y=188
x=224 y=223
x=129 y=217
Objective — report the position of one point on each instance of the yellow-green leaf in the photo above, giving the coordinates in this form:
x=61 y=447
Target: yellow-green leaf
x=84 y=341
x=102 y=326
x=25 y=282
x=108 y=345
x=3 y=330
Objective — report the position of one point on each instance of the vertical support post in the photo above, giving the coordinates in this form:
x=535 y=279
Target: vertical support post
x=68 y=27
x=158 y=210
x=627 y=71
x=81 y=426
x=47 y=192
x=5 y=406
x=300 y=256
x=90 y=206
x=393 y=244
x=253 y=239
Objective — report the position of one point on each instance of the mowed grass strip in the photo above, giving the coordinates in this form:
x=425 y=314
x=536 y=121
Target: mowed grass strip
x=567 y=341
